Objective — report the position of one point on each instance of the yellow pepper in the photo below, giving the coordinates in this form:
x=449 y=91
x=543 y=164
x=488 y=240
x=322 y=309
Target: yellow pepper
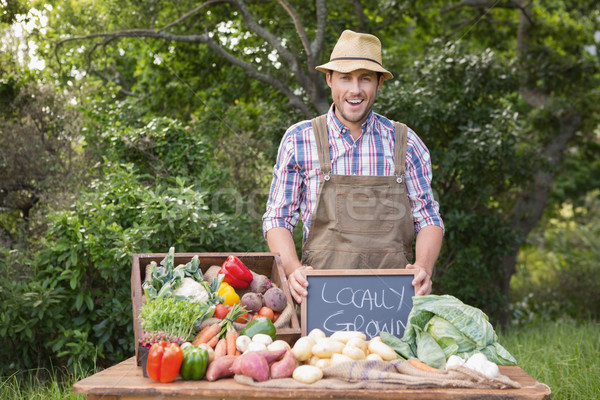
x=228 y=293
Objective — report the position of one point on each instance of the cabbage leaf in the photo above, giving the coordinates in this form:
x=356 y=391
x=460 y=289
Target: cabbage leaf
x=440 y=326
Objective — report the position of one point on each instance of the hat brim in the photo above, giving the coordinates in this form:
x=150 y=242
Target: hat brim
x=346 y=66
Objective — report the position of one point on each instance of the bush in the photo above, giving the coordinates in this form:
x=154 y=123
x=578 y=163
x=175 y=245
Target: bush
x=79 y=298
x=558 y=271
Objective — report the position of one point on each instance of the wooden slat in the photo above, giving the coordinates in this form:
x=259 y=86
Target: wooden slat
x=125 y=381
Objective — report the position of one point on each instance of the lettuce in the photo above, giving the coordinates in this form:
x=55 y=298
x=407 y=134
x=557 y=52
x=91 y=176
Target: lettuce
x=440 y=326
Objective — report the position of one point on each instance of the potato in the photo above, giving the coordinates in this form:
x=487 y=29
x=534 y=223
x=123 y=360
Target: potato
x=278 y=345
x=314 y=360
x=354 y=352
x=317 y=334
x=345 y=336
x=307 y=374
x=357 y=342
x=323 y=363
x=382 y=349
x=303 y=348
x=374 y=357
x=324 y=348
x=339 y=358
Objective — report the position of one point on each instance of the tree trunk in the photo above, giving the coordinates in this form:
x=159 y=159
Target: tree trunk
x=530 y=206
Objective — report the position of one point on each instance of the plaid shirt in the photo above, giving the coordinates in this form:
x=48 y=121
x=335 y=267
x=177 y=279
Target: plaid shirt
x=297 y=173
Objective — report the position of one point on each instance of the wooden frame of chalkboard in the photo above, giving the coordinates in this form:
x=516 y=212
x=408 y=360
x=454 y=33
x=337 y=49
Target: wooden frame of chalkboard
x=366 y=300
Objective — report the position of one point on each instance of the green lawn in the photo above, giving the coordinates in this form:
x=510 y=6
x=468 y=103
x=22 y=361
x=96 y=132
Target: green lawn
x=563 y=355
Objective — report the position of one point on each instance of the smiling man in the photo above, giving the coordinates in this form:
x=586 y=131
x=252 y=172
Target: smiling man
x=359 y=182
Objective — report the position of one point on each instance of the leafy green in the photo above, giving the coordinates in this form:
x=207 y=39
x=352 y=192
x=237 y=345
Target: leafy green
x=178 y=317
x=440 y=326
x=166 y=278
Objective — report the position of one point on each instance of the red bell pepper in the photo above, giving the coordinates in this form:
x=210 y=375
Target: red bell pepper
x=236 y=273
x=164 y=361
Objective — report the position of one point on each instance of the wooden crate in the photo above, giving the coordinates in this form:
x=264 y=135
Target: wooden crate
x=268 y=264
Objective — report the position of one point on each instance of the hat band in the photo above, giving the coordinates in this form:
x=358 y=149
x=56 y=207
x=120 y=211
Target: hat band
x=356 y=58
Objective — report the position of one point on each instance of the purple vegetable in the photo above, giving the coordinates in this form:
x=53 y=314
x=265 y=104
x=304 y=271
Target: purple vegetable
x=252 y=301
x=260 y=284
x=275 y=299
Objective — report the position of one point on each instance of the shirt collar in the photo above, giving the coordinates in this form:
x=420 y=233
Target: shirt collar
x=337 y=128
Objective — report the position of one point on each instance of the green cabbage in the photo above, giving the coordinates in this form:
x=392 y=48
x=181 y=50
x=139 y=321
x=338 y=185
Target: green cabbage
x=440 y=326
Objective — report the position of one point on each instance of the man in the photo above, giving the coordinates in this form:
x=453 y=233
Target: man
x=360 y=183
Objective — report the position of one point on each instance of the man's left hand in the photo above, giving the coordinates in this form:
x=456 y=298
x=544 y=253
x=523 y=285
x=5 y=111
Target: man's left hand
x=422 y=281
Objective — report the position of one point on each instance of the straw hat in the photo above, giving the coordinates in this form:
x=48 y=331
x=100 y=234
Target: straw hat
x=356 y=51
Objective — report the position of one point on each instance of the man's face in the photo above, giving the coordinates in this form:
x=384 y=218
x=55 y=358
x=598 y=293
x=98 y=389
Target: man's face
x=353 y=94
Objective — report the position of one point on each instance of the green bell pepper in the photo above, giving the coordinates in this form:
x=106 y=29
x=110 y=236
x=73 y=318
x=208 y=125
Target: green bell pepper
x=195 y=362
x=259 y=325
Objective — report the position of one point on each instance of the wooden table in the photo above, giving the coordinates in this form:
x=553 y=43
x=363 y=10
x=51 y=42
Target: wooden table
x=126 y=381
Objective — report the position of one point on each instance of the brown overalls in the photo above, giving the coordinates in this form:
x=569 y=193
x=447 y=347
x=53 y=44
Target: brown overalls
x=359 y=221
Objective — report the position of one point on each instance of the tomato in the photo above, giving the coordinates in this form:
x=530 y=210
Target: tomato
x=242 y=318
x=266 y=312
x=221 y=311
x=276 y=316
x=254 y=317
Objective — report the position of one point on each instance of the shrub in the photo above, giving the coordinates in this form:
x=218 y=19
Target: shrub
x=559 y=271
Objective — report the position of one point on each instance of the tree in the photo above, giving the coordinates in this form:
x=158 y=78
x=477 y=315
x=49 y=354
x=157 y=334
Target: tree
x=36 y=132
x=550 y=87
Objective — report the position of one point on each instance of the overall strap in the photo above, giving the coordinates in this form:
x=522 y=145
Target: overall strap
x=400 y=152
x=319 y=125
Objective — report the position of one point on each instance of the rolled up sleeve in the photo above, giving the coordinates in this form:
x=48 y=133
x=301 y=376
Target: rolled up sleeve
x=425 y=209
x=285 y=195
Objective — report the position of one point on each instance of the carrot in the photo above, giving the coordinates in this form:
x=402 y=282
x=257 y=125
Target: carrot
x=422 y=366
x=207 y=334
x=221 y=348
x=230 y=338
x=199 y=334
x=213 y=341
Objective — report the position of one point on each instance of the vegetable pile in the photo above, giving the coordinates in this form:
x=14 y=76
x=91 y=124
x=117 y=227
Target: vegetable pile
x=198 y=317
x=203 y=326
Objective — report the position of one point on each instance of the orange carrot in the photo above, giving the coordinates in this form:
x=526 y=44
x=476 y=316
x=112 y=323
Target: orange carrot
x=221 y=348
x=422 y=366
x=202 y=332
x=207 y=334
x=230 y=337
x=238 y=353
x=213 y=341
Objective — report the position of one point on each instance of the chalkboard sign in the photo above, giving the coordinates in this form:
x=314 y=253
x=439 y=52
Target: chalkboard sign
x=369 y=301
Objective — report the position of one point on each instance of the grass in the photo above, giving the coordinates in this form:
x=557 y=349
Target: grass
x=565 y=355
x=38 y=385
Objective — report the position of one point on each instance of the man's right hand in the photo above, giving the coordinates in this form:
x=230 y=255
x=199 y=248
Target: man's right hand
x=298 y=283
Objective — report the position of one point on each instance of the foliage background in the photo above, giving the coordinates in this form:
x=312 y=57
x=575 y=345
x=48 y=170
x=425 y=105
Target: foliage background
x=130 y=145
